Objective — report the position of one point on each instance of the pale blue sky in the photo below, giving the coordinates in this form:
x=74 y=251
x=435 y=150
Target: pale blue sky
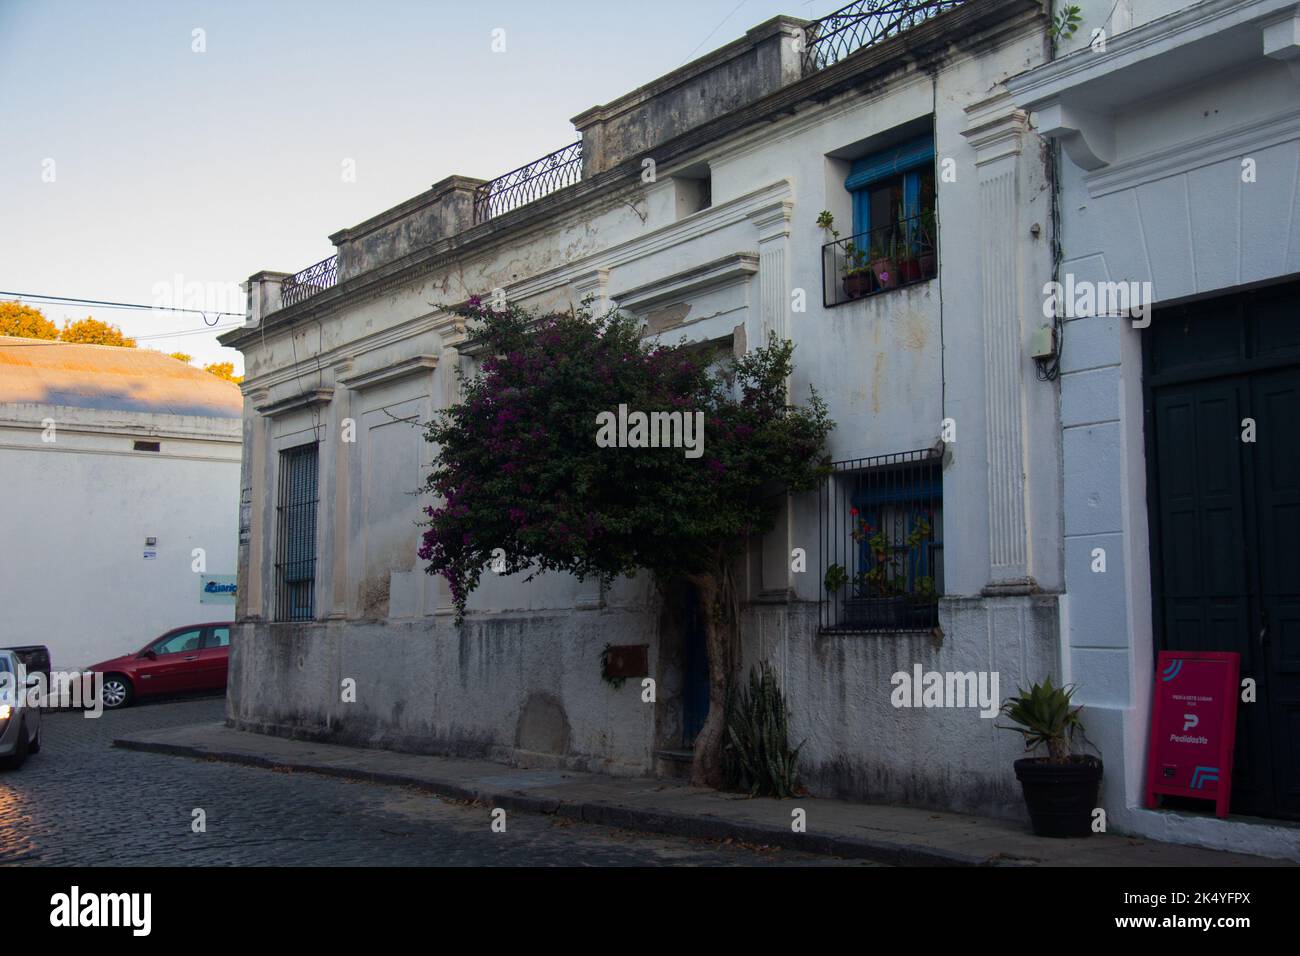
x=211 y=166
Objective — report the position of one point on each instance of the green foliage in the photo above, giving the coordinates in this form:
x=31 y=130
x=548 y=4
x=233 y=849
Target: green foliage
x=1066 y=23
x=756 y=755
x=617 y=682
x=518 y=468
x=1043 y=715
x=835 y=578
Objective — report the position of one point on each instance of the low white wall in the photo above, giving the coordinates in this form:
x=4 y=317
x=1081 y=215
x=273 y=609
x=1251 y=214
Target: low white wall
x=74 y=517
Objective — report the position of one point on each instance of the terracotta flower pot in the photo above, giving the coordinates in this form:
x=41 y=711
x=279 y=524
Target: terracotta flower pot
x=886 y=272
x=858 y=284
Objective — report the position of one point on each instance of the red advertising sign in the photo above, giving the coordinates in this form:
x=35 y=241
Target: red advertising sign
x=1193 y=727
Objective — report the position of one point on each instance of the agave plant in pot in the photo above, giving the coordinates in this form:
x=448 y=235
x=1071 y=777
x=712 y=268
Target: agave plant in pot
x=1060 y=788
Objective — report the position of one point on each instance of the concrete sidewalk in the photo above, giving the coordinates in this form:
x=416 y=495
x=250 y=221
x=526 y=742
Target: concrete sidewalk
x=888 y=834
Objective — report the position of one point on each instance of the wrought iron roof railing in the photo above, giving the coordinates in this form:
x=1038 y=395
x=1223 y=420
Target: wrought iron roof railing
x=861 y=24
x=305 y=284
x=527 y=183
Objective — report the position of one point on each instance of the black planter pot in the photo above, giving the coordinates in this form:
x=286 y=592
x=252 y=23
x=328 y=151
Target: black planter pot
x=1060 y=797
x=922 y=615
x=878 y=613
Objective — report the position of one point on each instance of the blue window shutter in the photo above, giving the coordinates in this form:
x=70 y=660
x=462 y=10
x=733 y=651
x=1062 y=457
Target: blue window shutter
x=861 y=212
x=871 y=169
x=911 y=194
x=890 y=162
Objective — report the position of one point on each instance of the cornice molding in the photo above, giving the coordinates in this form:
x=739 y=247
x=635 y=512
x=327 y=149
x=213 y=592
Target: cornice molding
x=737 y=267
x=391 y=373
x=312 y=398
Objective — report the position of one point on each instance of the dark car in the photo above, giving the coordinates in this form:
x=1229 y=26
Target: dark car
x=189 y=658
x=34 y=657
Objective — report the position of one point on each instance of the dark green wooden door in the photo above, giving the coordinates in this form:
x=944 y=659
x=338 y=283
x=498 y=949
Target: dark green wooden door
x=1225 y=515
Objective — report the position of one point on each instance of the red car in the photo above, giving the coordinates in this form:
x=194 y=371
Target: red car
x=189 y=658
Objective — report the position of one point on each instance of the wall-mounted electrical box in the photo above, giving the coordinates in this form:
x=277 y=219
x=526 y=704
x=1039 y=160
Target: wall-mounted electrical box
x=1042 y=345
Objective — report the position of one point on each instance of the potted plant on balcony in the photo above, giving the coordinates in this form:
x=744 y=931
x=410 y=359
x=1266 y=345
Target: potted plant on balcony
x=858 y=278
x=927 y=258
x=882 y=257
x=909 y=248
x=878 y=600
x=1060 y=788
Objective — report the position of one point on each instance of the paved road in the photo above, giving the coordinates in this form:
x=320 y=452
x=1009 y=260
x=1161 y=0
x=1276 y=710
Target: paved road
x=83 y=802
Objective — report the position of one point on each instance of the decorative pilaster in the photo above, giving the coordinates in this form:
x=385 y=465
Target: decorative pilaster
x=593 y=283
x=995 y=130
x=251 y=594
x=773 y=225
x=340 y=411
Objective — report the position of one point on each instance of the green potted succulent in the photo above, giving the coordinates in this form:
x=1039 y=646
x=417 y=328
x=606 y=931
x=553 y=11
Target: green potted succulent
x=1061 y=787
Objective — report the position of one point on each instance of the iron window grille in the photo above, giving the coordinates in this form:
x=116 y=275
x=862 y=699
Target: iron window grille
x=897 y=254
x=295 y=558
x=881 y=531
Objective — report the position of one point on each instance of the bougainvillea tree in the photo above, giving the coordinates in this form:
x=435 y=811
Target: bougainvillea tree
x=523 y=485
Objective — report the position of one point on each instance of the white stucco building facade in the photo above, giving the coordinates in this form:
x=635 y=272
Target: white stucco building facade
x=117 y=464
x=1181 y=162
x=749 y=145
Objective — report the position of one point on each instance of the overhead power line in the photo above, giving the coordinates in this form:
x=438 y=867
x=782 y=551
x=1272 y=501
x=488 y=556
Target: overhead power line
x=52 y=299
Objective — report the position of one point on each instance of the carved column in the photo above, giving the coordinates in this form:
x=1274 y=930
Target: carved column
x=773 y=225
x=340 y=411
x=257 y=485
x=995 y=130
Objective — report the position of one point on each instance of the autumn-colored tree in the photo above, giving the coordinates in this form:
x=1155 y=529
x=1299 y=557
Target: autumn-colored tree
x=26 y=322
x=181 y=357
x=91 y=331
x=224 y=370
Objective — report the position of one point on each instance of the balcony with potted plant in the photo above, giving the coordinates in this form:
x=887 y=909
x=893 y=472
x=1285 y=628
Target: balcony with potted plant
x=892 y=256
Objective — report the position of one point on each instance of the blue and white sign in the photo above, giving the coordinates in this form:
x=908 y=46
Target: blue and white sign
x=217 y=589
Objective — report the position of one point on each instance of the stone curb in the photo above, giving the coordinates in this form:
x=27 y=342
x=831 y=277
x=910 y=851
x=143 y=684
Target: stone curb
x=601 y=813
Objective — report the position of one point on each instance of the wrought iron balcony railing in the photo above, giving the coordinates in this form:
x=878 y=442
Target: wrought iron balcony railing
x=527 y=183
x=305 y=284
x=882 y=543
x=862 y=23
x=894 y=255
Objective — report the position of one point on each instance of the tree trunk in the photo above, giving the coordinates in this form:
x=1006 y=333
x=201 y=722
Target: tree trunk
x=721 y=623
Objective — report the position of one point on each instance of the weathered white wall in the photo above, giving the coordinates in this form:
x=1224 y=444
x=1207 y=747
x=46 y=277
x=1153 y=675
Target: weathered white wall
x=891 y=368
x=74 y=516
x=1172 y=210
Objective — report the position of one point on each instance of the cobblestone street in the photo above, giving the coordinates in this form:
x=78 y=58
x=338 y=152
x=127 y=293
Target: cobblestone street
x=83 y=802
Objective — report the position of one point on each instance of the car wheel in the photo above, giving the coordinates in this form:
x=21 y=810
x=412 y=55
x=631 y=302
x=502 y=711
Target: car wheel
x=117 y=692
x=35 y=746
x=19 y=756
